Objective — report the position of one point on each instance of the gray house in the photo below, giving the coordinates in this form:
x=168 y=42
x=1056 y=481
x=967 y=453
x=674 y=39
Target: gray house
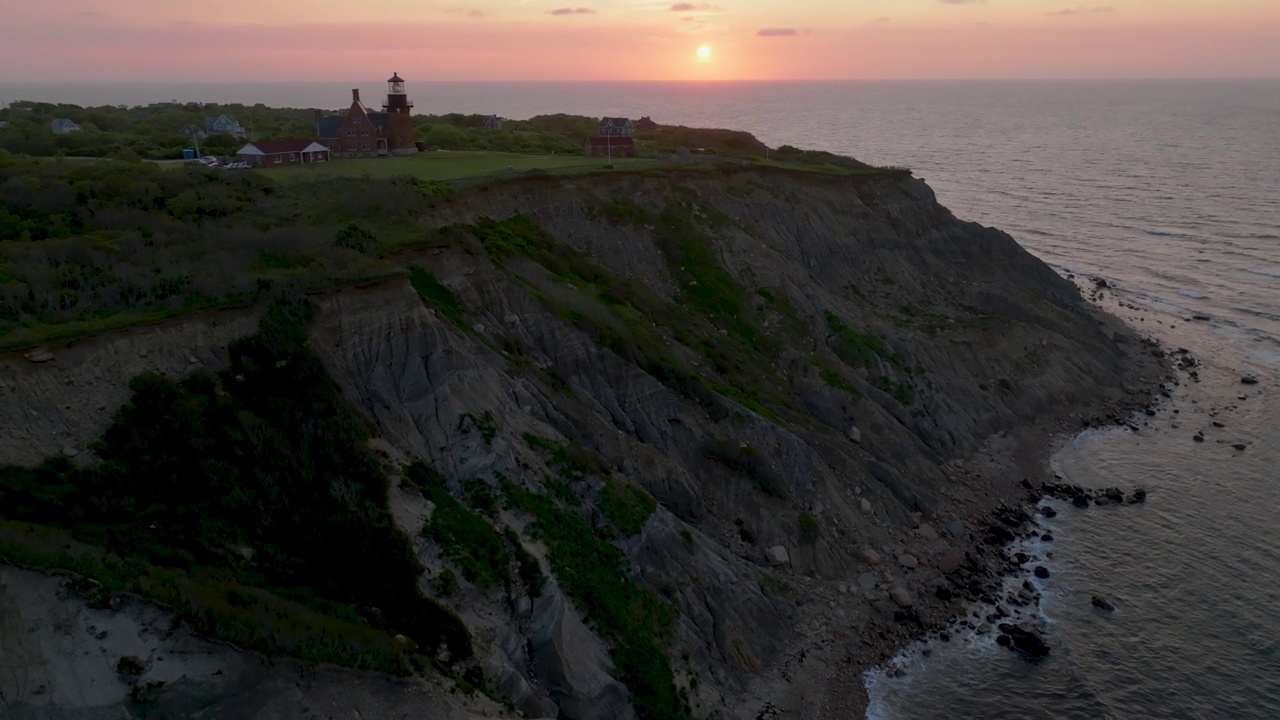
x=62 y=126
x=493 y=122
x=223 y=125
x=617 y=127
x=192 y=131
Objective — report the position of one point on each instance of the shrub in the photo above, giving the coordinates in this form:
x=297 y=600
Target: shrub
x=626 y=506
x=464 y=537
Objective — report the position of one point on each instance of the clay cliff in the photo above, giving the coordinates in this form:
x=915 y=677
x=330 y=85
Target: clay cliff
x=758 y=386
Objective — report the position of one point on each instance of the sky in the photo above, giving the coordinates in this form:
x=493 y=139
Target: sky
x=629 y=40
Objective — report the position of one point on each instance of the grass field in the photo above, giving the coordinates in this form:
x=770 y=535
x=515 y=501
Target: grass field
x=443 y=165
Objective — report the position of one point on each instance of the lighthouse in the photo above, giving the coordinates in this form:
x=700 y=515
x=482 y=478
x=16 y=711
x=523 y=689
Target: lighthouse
x=399 y=124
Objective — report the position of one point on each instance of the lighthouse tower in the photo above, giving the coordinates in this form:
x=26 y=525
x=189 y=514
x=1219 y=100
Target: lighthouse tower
x=399 y=125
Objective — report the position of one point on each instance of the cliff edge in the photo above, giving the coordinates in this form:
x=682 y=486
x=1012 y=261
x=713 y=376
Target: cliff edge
x=762 y=392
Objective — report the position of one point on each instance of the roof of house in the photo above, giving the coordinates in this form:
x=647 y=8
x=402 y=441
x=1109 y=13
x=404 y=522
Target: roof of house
x=615 y=122
x=64 y=123
x=379 y=119
x=212 y=120
x=285 y=145
x=330 y=125
x=395 y=77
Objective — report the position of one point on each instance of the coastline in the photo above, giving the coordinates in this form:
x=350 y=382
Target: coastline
x=1011 y=471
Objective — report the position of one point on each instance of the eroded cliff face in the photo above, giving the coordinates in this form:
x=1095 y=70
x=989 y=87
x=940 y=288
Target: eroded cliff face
x=791 y=368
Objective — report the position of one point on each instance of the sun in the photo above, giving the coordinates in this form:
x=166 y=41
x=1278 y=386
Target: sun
x=704 y=52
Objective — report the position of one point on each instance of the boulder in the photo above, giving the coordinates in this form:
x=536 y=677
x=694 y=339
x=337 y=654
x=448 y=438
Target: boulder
x=1048 y=511
x=39 y=355
x=1239 y=446
x=1047 y=537
x=1248 y=380
x=901 y=596
x=864 y=505
x=1138 y=496
x=777 y=555
x=927 y=532
x=855 y=434
x=1102 y=603
x=1041 y=572
x=867 y=581
x=1080 y=501
x=956 y=529
x=870 y=557
x=1027 y=642
x=950 y=561
x=909 y=561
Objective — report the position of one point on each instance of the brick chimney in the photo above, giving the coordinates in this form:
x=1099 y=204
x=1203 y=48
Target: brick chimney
x=355 y=94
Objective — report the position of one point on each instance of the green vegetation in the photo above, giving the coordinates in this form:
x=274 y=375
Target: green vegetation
x=717 y=318
x=466 y=539
x=248 y=501
x=858 y=349
x=626 y=506
x=484 y=422
x=152 y=132
x=633 y=620
x=809 y=529
x=89 y=246
x=449 y=166
x=573 y=462
x=835 y=379
x=130 y=668
x=438 y=296
x=528 y=569
x=481 y=497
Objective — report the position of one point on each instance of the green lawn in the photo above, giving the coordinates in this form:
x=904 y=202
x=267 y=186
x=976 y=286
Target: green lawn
x=448 y=165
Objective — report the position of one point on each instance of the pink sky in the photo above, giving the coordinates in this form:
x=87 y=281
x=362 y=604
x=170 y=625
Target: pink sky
x=442 y=40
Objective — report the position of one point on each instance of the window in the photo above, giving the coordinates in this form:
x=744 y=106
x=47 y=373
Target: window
x=293 y=157
x=352 y=145
x=351 y=132
x=364 y=131
x=366 y=144
x=356 y=120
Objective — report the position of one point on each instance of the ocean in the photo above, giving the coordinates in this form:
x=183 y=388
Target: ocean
x=1168 y=190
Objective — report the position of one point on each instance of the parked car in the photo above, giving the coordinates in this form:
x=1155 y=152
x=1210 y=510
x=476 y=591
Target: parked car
x=209 y=160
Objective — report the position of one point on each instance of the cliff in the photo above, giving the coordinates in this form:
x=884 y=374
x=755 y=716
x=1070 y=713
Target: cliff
x=793 y=367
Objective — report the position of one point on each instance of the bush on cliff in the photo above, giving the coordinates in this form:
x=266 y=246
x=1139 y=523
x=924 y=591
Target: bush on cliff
x=257 y=480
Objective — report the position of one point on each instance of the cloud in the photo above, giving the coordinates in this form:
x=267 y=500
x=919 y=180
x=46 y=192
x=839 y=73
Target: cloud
x=572 y=11
x=1066 y=12
x=694 y=7
x=878 y=21
x=777 y=32
x=963 y=2
x=475 y=14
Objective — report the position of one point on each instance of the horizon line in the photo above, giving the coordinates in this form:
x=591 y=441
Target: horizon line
x=686 y=81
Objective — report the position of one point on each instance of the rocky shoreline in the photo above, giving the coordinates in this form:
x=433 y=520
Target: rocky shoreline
x=993 y=587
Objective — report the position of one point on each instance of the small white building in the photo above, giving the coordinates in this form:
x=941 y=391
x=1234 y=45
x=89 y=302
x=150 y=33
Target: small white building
x=62 y=126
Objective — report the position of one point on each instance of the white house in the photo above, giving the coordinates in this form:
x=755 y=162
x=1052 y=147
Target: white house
x=62 y=126
x=223 y=124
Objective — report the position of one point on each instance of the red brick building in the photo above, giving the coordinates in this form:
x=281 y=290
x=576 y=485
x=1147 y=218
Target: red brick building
x=361 y=133
x=270 y=153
